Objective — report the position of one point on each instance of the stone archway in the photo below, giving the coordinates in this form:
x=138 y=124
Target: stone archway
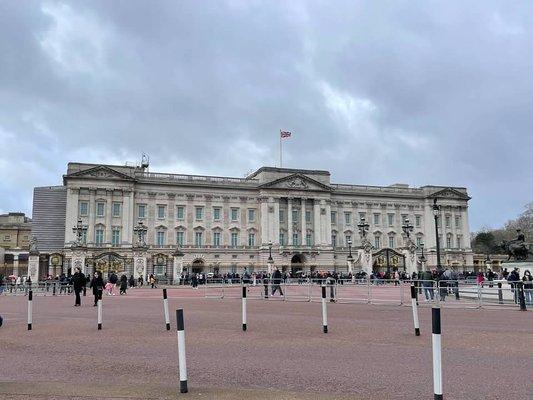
x=197 y=266
x=297 y=263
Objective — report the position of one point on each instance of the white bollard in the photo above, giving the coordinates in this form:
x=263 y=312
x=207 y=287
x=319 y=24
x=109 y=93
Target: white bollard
x=437 y=358
x=99 y=314
x=414 y=306
x=181 y=351
x=165 y=309
x=30 y=309
x=324 y=310
x=244 y=308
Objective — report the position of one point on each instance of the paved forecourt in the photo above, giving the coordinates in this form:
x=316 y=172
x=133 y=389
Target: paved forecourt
x=370 y=351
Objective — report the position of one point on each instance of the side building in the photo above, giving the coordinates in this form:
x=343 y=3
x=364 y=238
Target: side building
x=15 y=229
x=223 y=224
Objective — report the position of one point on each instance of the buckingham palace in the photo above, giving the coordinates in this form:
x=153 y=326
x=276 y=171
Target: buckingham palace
x=130 y=220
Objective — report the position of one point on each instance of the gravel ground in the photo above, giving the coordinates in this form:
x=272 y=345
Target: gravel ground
x=370 y=351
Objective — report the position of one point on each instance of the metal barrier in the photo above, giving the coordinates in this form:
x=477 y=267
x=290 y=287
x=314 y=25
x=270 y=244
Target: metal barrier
x=44 y=288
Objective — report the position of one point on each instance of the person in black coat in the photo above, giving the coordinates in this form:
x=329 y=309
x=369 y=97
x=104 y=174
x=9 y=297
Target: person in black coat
x=78 y=280
x=123 y=284
x=97 y=284
x=276 y=280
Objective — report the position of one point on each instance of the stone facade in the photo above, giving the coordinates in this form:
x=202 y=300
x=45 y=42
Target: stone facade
x=15 y=230
x=222 y=224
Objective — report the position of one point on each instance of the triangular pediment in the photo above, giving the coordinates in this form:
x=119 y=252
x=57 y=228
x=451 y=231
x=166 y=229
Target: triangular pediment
x=449 y=193
x=296 y=182
x=100 y=172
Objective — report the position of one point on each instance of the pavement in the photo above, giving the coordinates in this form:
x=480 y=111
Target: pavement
x=370 y=351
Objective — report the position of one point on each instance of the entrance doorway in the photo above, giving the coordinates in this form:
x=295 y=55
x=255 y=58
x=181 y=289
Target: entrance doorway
x=297 y=264
x=198 y=266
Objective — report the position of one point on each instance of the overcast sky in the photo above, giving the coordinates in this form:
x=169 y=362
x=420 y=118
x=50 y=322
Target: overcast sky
x=376 y=92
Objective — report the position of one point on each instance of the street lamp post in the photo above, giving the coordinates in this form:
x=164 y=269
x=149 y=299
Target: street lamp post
x=436 y=212
x=363 y=227
x=79 y=230
x=350 y=257
x=270 y=259
x=407 y=228
x=140 y=230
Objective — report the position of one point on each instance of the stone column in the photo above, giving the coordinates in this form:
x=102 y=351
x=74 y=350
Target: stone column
x=92 y=216
x=108 y=216
x=177 y=267
x=139 y=264
x=275 y=222
x=289 y=221
x=16 y=264
x=327 y=225
x=33 y=266
x=127 y=222
x=78 y=261
x=264 y=220
x=304 y=225
x=317 y=223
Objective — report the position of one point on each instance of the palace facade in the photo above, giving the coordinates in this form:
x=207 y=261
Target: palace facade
x=223 y=224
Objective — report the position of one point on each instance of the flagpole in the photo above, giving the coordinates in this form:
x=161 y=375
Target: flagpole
x=280 y=151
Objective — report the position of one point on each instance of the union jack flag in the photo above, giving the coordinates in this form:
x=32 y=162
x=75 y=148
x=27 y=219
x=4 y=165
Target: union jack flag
x=284 y=134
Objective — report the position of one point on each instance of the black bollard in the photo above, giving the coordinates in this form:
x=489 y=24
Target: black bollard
x=30 y=310
x=244 y=308
x=437 y=353
x=500 y=293
x=54 y=289
x=181 y=351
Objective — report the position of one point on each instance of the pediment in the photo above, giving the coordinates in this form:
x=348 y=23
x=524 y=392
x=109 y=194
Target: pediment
x=296 y=182
x=449 y=193
x=101 y=172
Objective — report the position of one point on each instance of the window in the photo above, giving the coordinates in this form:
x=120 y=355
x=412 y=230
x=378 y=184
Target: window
x=180 y=238
x=295 y=239
x=377 y=219
x=141 y=211
x=251 y=215
x=294 y=215
x=334 y=217
x=457 y=222
x=84 y=209
x=198 y=238
x=440 y=241
x=251 y=239
x=180 y=212
x=281 y=239
x=459 y=242
x=115 y=237
x=308 y=240
x=417 y=221
x=308 y=216
x=216 y=214
x=234 y=214
x=281 y=215
x=391 y=242
x=234 y=239
x=448 y=242
x=377 y=242
x=216 y=239
x=161 y=238
x=347 y=238
x=99 y=236
x=116 y=209
x=100 y=209
x=334 y=240
x=161 y=211
x=390 y=219
x=84 y=236
x=348 y=218
x=447 y=221
x=418 y=241
x=199 y=213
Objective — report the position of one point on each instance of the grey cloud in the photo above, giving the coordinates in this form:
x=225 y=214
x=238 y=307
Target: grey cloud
x=375 y=92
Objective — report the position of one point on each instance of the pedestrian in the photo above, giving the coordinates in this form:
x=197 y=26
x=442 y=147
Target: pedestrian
x=140 y=281
x=152 y=281
x=123 y=284
x=132 y=281
x=194 y=281
x=276 y=282
x=97 y=284
x=113 y=279
x=79 y=281
x=427 y=283
x=528 y=286
x=512 y=278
